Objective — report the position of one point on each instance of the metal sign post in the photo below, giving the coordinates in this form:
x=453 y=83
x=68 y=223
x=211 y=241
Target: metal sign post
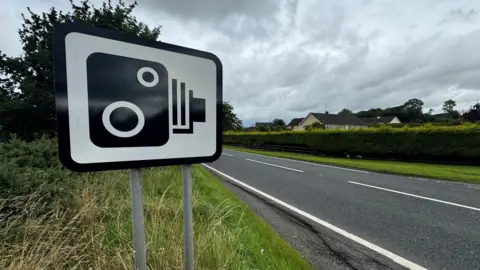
x=187 y=216
x=136 y=191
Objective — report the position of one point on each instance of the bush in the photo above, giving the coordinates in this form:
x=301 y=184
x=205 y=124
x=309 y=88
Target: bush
x=264 y=128
x=28 y=168
x=453 y=143
x=317 y=125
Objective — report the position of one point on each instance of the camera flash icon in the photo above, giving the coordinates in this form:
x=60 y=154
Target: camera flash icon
x=186 y=109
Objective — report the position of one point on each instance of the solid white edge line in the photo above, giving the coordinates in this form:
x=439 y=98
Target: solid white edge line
x=400 y=260
x=416 y=196
x=305 y=162
x=230 y=155
x=269 y=164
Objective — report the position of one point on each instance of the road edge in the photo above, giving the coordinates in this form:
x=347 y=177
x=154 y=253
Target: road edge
x=358 y=169
x=320 y=227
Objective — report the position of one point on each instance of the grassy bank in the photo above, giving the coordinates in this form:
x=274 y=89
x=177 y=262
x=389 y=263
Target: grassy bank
x=54 y=219
x=469 y=174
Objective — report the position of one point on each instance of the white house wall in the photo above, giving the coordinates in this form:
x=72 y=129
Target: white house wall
x=307 y=122
x=395 y=121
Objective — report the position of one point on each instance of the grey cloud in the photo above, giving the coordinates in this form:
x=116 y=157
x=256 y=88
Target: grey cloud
x=464 y=15
x=322 y=24
x=284 y=58
x=290 y=7
x=239 y=21
x=212 y=10
x=459 y=15
x=423 y=69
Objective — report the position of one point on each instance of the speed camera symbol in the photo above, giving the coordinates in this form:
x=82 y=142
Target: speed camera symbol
x=139 y=114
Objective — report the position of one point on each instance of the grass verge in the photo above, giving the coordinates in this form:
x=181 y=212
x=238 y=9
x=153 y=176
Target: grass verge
x=460 y=173
x=54 y=219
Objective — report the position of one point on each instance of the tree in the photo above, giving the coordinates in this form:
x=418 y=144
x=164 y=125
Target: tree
x=26 y=88
x=345 y=111
x=473 y=114
x=413 y=109
x=413 y=105
x=374 y=112
x=448 y=106
x=278 y=122
x=230 y=121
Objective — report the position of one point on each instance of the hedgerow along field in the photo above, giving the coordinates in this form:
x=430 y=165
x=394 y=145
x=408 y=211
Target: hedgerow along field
x=51 y=218
x=454 y=144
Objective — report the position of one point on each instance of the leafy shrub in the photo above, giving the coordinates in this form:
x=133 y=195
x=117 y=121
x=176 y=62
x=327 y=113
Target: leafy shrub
x=264 y=128
x=41 y=153
x=452 y=143
x=317 y=125
x=28 y=168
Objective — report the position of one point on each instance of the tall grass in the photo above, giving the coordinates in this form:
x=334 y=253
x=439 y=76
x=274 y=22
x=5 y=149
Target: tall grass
x=64 y=220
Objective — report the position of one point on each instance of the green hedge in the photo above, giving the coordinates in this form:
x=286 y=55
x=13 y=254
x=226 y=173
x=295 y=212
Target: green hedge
x=401 y=125
x=454 y=143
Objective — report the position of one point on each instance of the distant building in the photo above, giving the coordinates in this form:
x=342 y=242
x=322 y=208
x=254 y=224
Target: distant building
x=263 y=124
x=294 y=124
x=382 y=120
x=332 y=121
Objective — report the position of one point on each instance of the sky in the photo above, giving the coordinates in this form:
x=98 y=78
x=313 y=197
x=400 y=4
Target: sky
x=286 y=58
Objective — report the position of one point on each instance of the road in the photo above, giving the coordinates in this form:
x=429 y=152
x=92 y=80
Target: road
x=427 y=223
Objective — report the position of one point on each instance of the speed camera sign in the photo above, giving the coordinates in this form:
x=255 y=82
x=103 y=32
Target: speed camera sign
x=127 y=102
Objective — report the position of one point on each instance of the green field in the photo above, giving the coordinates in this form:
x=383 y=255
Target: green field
x=51 y=218
x=469 y=174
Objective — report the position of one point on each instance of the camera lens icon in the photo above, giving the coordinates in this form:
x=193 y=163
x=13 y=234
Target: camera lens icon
x=151 y=71
x=123 y=104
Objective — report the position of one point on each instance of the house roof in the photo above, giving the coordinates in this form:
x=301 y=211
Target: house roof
x=295 y=122
x=335 y=119
x=375 y=120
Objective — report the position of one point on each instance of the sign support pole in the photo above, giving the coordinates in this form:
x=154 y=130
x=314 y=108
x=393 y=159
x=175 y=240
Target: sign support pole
x=187 y=216
x=136 y=191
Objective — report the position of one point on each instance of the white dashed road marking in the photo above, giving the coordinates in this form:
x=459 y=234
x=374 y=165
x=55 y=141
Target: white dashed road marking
x=416 y=196
x=278 y=166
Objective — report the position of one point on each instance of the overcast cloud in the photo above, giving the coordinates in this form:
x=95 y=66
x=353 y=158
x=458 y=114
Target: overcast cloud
x=285 y=58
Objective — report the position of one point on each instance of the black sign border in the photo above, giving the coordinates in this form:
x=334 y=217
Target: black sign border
x=61 y=98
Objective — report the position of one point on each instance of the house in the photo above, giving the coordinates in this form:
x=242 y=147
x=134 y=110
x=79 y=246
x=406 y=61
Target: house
x=440 y=115
x=263 y=124
x=382 y=120
x=294 y=124
x=332 y=121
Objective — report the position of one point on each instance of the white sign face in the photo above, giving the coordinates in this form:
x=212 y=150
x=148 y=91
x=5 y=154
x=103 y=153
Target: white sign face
x=125 y=102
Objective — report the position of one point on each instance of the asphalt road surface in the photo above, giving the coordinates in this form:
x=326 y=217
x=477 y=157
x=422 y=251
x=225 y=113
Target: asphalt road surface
x=415 y=222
